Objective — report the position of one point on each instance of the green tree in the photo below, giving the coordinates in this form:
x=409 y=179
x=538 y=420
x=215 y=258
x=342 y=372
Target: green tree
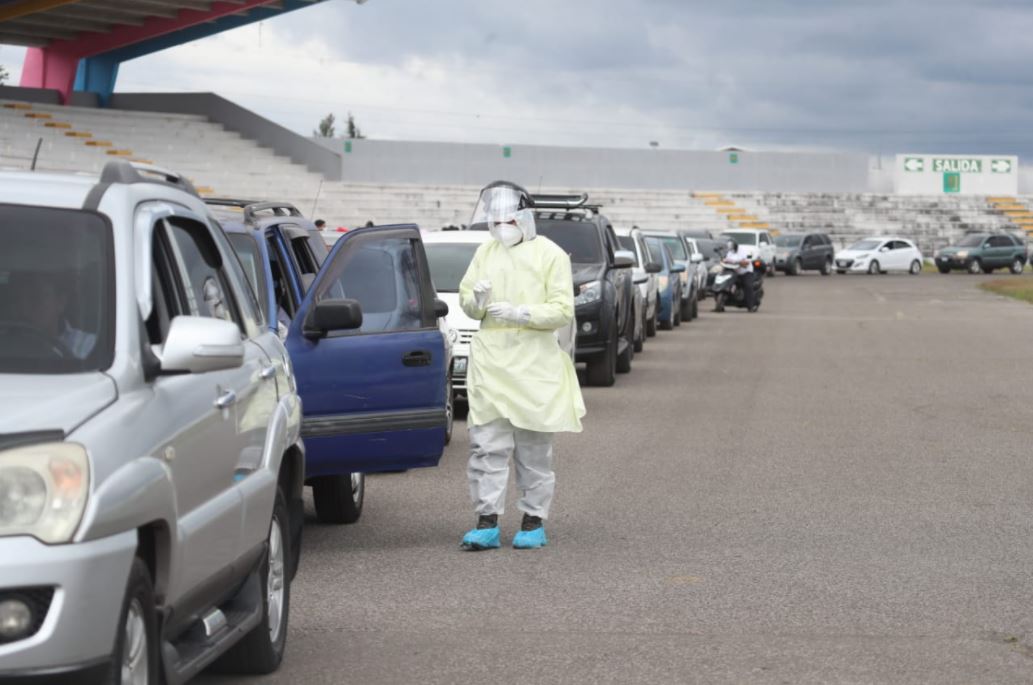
x=353 y=128
x=4 y=75
x=326 y=127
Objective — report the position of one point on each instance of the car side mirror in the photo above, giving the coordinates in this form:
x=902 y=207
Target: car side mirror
x=653 y=268
x=696 y=258
x=196 y=344
x=333 y=315
x=677 y=268
x=884 y=249
x=440 y=308
x=640 y=279
x=623 y=259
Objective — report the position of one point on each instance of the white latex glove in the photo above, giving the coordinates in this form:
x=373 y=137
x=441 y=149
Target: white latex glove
x=481 y=293
x=504 y=311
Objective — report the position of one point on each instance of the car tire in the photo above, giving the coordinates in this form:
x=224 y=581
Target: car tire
x=916 y=268
x=668 y=323
x=695 y=307
x=873 y=268
x=975 y=267
x=826 y=268
x=797 y=267
x=601 y=371
x=450 y=410
x=719 y=302
x=651 y=325
x=261 y=651
x=625 y=358
x=339 y=499
x=136 y=645
x=841 y=271
x=685 y=313
x=944 y=269
x=640 y=339
x=1017 y=266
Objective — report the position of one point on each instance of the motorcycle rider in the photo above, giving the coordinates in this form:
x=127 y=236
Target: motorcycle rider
x=744 y=272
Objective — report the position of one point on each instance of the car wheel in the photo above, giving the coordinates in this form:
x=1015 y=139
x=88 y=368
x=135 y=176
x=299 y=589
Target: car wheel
x=719 y=302
x=651 y=325
x=624 y=358
x=640 y=339
x=916 y=268
x=695 y=307
x=339 y=499
x=261 y=651
x=450 y=410
x=796 y=268
x=975 y=267
x=944 y=269
x=873 y=268
x=602 y=370
x=136 y=660
x=1017 y=266
x=685 y=312
x=840 y=271
x=826 y=268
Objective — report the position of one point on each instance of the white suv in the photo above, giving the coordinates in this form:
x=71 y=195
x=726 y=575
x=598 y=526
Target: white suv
x=757 y=242
x=150 y=462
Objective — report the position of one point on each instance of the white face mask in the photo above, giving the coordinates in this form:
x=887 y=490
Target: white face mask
x=507 y=234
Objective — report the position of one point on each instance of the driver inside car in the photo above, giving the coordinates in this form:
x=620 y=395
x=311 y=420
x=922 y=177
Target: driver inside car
x=42 y=304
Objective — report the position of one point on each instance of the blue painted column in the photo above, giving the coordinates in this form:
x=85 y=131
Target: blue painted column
x=98 y=75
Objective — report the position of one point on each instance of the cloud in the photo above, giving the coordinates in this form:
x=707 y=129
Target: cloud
x=865 y=75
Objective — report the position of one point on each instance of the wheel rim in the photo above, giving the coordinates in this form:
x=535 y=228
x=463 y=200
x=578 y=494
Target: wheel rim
x=358 y=483
x=915 y=267
x=1017 y=266
x=135 y=666
x=275 y=583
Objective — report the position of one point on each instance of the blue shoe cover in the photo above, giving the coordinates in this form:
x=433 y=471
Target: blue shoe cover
x=530 y=539
x=481 y=538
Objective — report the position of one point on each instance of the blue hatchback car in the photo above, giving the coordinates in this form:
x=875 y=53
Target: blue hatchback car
x=360 y=326
x=669 y=299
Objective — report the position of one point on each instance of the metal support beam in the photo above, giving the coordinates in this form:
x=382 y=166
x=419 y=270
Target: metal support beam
x=27 y=7
x=48 y=68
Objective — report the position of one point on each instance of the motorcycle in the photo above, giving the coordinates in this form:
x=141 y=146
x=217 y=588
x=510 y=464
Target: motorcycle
x=726 y=289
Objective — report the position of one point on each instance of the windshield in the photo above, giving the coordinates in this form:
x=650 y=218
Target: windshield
x=246 y=248
x=448 y=264
x=656 y=251
x=788 y=240
x=971 y=241
x=862 y=245
x=676 y=246
x=741 y=237
x=579 y=239
x=628 y=243
x=56 y=291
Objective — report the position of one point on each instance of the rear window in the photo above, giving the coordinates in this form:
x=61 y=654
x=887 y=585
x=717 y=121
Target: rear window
x=579 y=239
x=742 y=237
x=57 y=291
x=246 y=248
x=448 y=264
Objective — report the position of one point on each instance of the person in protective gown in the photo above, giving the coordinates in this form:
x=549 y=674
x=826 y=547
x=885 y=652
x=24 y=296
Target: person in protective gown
x=522 y=387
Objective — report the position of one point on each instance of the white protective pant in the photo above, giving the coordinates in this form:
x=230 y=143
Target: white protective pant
x=491 y=446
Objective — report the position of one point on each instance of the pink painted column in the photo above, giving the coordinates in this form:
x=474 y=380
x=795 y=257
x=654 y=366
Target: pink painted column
x=49 y=68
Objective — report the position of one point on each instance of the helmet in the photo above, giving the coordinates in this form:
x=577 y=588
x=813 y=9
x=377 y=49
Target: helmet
x=732 y=245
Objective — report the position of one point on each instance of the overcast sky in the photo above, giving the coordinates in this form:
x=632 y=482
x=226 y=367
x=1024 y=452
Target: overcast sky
x=880 y=76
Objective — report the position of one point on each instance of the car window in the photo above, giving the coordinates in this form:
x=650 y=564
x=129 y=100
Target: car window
x=626 y=242
x=741 y=237
x=57 y=297
x=676 y=246
x=246 y=247
x=1000 y=241
x=383 y=275
x=579 y=239
x=764 y=240
x=203 y=281
x=448 y=264
x=284 y=294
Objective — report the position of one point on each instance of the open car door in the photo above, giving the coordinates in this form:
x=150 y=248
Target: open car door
x=373 y=395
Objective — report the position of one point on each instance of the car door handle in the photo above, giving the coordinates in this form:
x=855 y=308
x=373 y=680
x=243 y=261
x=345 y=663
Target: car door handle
x=226 y=399
x=268 y=372
x=416 y=358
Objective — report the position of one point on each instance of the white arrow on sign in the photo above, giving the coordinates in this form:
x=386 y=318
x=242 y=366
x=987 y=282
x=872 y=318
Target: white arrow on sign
x=1001 y=166
x=914 y=164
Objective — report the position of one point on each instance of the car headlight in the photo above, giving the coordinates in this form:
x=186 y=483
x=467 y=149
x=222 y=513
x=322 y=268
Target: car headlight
x=43 y=490
x=962 y=254
x=663 y=280
x=589 y=293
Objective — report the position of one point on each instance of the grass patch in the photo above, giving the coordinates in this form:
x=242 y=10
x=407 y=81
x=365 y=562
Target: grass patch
x=1018 y=288
x=929 y=267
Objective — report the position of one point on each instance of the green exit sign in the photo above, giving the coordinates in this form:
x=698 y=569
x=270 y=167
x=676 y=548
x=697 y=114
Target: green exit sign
x=733 y=157
x=507 y=152
x=347 y=147
x=952 y=182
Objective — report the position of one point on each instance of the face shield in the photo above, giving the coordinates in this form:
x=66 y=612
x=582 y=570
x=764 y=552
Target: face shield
x=499 y=208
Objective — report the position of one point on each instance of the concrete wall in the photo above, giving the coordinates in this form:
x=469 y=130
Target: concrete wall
x=377 y=161
x=283 y=141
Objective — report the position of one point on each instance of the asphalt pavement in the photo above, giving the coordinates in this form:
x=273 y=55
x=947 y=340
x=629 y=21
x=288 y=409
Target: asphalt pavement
x=834 y=489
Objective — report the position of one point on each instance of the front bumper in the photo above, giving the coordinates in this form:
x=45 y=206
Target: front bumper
x=859 y=266
x=593 y=331
x=77 y=636
x=953 y=262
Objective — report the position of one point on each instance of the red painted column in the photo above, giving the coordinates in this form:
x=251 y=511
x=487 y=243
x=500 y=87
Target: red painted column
x=49 y=68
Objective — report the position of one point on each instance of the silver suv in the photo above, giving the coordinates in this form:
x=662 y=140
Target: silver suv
x=150 y=461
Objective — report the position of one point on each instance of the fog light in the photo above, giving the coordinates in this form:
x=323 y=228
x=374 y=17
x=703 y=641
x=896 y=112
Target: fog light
x=586 y=327
x=15 y=619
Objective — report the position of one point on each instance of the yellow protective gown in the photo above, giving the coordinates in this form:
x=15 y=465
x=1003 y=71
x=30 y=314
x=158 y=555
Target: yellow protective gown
x=516 y=372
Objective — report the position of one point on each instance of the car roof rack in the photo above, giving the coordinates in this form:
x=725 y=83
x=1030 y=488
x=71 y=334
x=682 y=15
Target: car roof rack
x=559 y=201
x=124 y=171
x=252 y=208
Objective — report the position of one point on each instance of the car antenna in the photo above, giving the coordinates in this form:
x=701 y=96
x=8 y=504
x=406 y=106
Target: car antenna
x=315 y=202
x=35 y=155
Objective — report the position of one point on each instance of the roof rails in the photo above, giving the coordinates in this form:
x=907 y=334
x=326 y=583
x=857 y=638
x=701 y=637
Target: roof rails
x=123 y=171
x=252 y=208
x=559 y=201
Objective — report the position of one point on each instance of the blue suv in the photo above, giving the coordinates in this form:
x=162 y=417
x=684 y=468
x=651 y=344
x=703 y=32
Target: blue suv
x=360 y=325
